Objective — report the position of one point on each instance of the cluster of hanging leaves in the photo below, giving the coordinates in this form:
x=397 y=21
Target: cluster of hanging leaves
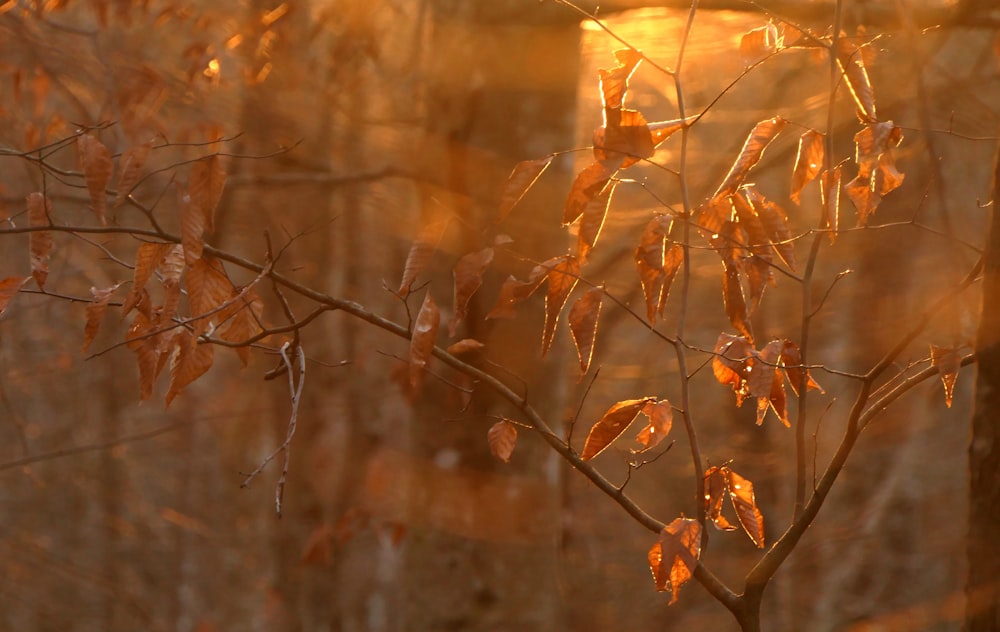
x=159 y=334
x=674 y=556
x=721 y=482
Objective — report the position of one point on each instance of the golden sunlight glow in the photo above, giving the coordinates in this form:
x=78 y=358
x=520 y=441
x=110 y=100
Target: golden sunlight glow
x=234 y=41
x=212 y=70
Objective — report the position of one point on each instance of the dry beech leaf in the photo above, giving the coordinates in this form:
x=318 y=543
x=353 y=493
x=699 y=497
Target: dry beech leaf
x=207 y=181
x=775 y=222
x=562 y=279
x=95 y=313
x=948 y=361
x=808 y=162
x=611 y=426
x=39 y=242
x=662 y=130
x=614 y=81
x=657 y=266
x=732 y=355
x=877 y=173
x=592 y=221
x=513 y=290
x=208 y=289
x=240 y=320
x=466 y=345
x=421 y=251
x=778 y=401
x=425 y=330
x=95 y=159
x=675 y=555
x=736 y=306
x=192 y=227
x=588 y=184
x=661 y=419
x=140 y=340
x=791 y=362
x=749 y=516
x=852 y=65
x=625 y=137
x=830 y=200
x=758 y=43
x=760 y=383
x=8 y=288
x=147 y=259
x=583 y=317
x=468 y=273
x=130 y=166
x=753 y=148
x=189 y=362
x=716 y=490
x=502 y=437
x=521 y=179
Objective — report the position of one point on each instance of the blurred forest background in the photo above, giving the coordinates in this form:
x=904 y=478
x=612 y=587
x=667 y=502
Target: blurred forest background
x=358 y=121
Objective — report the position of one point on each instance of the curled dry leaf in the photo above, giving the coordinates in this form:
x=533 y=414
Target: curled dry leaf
x=775 y=223
x=852 y=65
x=624 y=139
x=592 y=221
x=877 y=173
x=674 y=557
x=142 y=341
x=791 y=362
x=662 y=130
x=148 y=257
x=208 y=289
x=207 y=181
x=521 y=179
x=189 y=361
x=95 y=313
x=657 y=265
x=562 y=279
x=513 y=291
x=130 y=166
x=192 y=227
x=466 y=345
x=424 y=334
x=421 y=251
x=8 y=288
x=39 y=242
x=588 y=184
x=661 y=419
x=468 y=273
x=948 y=361
x=502 y=437
x=95 y=159
x=749 y=516
x=765 y=381
x=716 y=490
x=583 y=317
x=732 y=355
x=753 y=148
x=736 y=306
x=614 y=81
x=611 y=426
x=240 y=320
x=758 y=43
x=830 y=199
x=808 y=162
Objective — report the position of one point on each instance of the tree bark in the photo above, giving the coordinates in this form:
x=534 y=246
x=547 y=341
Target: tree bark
x=983 y=545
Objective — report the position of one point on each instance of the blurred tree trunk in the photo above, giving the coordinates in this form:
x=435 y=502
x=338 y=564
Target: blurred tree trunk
x=983 y=583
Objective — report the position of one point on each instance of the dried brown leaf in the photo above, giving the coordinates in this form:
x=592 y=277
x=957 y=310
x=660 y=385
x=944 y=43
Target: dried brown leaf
x=421 y=251
x=207 y=181
x=662 y=130
x=95 y=159
x=830 y=199
x=791 y=361
x=656 y=265
x=758 y=43
x=562 y=279
x=716 y=490
x=732 y=356
x=502 y=437
x=948 y=361
x=425 y=330
x=588 y=184
x=753 y=148
x=95 y=313
x=661 y=419
x=240 y=320
x=130 y=166
x=521 y=179
x=614 y=81
x=208 y=289
x=8 y=288
x=674 y=557
x=466 y=345
x=611 y=426
x=141 y=341
x=192 y=227
x=513 y=290
x=852 y=65
x=775 y=223
x=808 y=162
x=736 y=306
x=625 y=138
x=583 y=318
x=148 y=257
x=749 y=516
x=189 y=362
x=468 y=274
x=39 y=242
x=592 y=221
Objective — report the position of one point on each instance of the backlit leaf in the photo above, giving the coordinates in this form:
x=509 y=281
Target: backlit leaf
x=791 y=361
x=753 y=148
x=830 y=199
x=425 y=330
x=808 y=162
x=588 y=184
x=778 y=401
x=468 y=274
x=583 y=317
x=95 y=159
x=731 y=361
x=466 y=345
x=8 y=288
x=656 y=264
x=521 y=179
x=95 y=313
x=760 y=383
x=625 y=138
x=562 y=279
x=39 y=242
x=189 y=362
x=775 y=223
x=662 y=130
x=142 y=341
x=948 y=361
x=208 y=289
x=852 y=64
x=130 y=166
x=716 y=490
x=192 y=227
x=758 y=43
x=614 y=81
x=611 y=426
x=207 y=181
x=421 y=251
x=513 y=290
x=736 y=306
x=592 y=221
x=502 y=437
x=675 y=556
x=749 y=516
x=661 y=419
